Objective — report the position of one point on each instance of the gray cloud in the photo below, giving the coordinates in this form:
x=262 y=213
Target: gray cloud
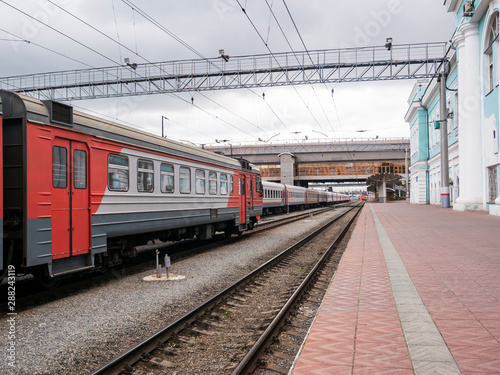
x=211 y=25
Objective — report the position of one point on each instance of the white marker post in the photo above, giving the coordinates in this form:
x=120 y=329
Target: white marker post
x=167 y=263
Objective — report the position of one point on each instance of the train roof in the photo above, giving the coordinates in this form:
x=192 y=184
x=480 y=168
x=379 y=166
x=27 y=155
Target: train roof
x=275 y=185
x=59 y=114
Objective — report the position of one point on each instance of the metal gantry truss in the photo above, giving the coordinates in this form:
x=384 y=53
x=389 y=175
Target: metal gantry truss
x=412 y=61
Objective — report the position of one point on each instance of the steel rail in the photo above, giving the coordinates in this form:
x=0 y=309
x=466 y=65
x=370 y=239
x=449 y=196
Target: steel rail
x=129 y=357
x=248 y=364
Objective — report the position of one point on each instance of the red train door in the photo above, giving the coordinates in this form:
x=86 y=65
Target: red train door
x=243 y=200
x=80 y=207
x=70 y=199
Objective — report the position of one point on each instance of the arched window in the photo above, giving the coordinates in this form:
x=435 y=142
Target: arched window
x=491 y=52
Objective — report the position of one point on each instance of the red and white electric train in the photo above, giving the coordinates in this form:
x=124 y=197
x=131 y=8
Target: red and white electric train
x=80 y=192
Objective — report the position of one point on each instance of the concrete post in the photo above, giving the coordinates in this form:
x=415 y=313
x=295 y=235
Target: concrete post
x=287 y=163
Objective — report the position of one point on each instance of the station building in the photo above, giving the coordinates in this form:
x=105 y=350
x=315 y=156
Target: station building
x=473 y=103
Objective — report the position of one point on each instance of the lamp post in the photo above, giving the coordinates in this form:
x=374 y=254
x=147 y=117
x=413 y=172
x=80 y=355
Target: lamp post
x=162 y=128
x=445 y=176
x=226 y=141
x=265 y=141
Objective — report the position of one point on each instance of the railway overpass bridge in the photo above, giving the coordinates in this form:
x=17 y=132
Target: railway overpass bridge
x=322 y=161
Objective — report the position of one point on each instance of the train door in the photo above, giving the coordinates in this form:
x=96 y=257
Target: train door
x=243 y=200
x=250 y=196
x=70 y=199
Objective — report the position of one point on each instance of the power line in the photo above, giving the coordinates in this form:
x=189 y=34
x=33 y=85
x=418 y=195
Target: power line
x=178 y=39
x=235 y=114
x=274 y=57
x=108 y=58
x=163 y=28
x=60 y=32
x=40 y=46
x=312 y=62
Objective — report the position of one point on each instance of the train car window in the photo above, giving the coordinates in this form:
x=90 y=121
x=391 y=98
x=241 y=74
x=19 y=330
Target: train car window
x=145 y=176
x=80 y=169
x=231 y=184
x=166 y=178
x=200 y=181
x=118 y=173
x=223 y=184
x=59 y=167
x=185 y=180
x=258 y=184
x=212 y=183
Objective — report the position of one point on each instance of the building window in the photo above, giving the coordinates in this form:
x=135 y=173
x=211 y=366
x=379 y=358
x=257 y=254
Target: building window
x=491 y=53
x=117 y=173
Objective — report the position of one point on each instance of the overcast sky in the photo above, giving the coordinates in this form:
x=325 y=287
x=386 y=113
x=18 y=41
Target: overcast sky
x=210 y=25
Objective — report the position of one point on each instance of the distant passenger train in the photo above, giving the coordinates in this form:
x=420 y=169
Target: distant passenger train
x=282 y=197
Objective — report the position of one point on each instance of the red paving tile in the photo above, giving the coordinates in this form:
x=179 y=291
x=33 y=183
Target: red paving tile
x=453 y=260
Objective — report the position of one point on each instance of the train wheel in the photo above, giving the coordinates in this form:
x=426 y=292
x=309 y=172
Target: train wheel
x=44 y=278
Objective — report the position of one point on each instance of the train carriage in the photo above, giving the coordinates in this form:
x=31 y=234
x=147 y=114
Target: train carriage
x=295 y=196
x=312 y=197
x=273 y=197
x=330 y=197
x=323 y=197
x=3 y=253
x=81 y=192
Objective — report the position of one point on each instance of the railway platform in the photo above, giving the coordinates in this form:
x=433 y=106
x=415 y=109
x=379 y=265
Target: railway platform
x=416 y=292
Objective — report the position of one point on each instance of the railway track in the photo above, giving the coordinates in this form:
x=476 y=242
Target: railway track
x=230 y=332
x=30 y=293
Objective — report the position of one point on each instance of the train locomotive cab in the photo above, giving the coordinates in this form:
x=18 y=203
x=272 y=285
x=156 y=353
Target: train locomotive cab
x=81 y=193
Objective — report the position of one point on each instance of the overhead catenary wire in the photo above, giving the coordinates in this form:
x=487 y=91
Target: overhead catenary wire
x=102 y=55
x=60 y=32
x=312 y=62
x=116 y=26
x=185 y=44
x=307 y=51
x=43 y=47
x=298 y=61
x=275 y=59
x=175 y=37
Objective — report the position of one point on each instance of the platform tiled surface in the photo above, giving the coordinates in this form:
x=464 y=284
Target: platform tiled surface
x=452 y=259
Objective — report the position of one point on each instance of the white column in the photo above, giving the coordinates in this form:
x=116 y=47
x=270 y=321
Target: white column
x=495 y=210
x=470 y=133
x=382 y=194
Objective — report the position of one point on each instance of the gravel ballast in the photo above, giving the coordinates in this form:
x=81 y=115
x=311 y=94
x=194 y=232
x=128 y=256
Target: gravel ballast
x=74 y=335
